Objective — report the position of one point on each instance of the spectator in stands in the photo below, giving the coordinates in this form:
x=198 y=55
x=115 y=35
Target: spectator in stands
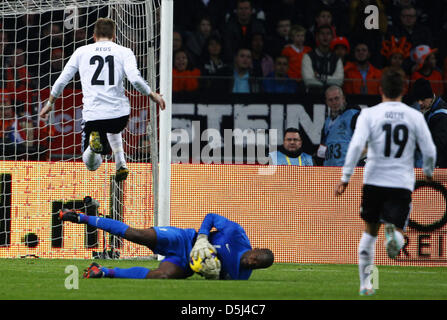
x=337 y=8
x=25 y=138
x=240 y=28
x=409 y=28
x=435 y=112
x=177 y=41
x=19 y=80
x=395 y=53
x=321 y=67
x=444 y=74
x=361 y=77
x=278 y=81
x=290 y=152
x=188 y=12
x=28 y=29
x=338 y=128
x=280 y=37
x=425 y=67
x=80 y=37
x=3 y=58
x=357 y=18
x=19 y=137
x=212 y=61
x=323 y=17
x=295 y=51
x=241 y=77
x=185 y=76
x=56 y=66
x=341 y=47
x=196 y=40
x=144 y=150
x=291 y=10
x=262 y=63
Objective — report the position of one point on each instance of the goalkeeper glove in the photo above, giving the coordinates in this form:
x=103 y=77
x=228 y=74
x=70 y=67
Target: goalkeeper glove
x=202 y=248
x=211 y=269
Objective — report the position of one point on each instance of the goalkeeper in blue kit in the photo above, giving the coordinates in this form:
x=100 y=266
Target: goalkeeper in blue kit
x=236 y=258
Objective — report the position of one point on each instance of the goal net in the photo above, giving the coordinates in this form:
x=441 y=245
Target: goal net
x=41 y=168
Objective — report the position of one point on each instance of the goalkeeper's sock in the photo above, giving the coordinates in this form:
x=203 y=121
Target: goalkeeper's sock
x=130 y=273
x=115 y=227
x=366 y=251
x=91 y=159
x=116 y=143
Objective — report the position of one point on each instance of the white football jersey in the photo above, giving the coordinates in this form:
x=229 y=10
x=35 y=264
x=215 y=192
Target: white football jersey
x=391 y=131
x=102 y=67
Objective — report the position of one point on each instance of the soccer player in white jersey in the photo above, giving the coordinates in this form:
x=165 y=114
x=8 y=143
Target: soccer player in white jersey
x=390 y=130
x=102 y=67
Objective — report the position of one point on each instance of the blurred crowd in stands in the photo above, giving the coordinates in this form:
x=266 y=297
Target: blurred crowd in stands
x=239 y=46
x=291 y=46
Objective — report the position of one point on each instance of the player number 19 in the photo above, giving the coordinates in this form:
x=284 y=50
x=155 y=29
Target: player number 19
x=397 y=135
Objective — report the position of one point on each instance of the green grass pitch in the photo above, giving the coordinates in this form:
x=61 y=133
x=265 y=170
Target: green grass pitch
x=43 y=279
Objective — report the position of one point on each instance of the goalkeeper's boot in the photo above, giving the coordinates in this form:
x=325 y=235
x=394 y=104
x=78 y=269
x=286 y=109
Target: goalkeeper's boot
x=367 y=292
x=93 y=271
x=121 y=174
x=69 y=215
x=95 y=142
x=392 y=248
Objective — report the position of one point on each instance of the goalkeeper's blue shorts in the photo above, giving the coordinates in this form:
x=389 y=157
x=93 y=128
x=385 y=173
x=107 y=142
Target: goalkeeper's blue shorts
x=175 y=244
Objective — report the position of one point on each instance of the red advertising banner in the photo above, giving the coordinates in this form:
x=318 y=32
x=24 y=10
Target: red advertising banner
x=290 y=209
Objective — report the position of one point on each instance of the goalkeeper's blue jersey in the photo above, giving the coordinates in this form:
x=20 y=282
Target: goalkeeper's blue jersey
x=231 y=242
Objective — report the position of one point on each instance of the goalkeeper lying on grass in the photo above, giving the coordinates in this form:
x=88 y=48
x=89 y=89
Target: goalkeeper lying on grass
x=236 y=258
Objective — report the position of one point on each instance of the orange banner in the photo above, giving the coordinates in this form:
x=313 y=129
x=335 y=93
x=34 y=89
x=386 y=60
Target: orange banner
x=291 y=210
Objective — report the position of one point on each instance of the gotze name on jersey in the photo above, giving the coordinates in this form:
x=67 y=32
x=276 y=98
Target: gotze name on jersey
x=391 y=132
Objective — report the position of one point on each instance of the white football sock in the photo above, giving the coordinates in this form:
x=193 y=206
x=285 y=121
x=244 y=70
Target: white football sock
x=366 y=251
x=399 y=239
x=116 y=143
x=91 y=159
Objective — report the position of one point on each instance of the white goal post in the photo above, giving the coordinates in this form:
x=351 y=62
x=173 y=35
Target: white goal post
x=37 y=37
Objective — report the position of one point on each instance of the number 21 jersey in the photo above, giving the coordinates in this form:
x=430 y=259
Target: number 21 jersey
x=102 y=67
x=391 y=131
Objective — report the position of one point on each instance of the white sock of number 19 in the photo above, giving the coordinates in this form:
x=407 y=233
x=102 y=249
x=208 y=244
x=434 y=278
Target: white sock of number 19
x=366 y=252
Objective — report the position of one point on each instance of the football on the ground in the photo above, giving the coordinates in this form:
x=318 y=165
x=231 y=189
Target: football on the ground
x=198 y=264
